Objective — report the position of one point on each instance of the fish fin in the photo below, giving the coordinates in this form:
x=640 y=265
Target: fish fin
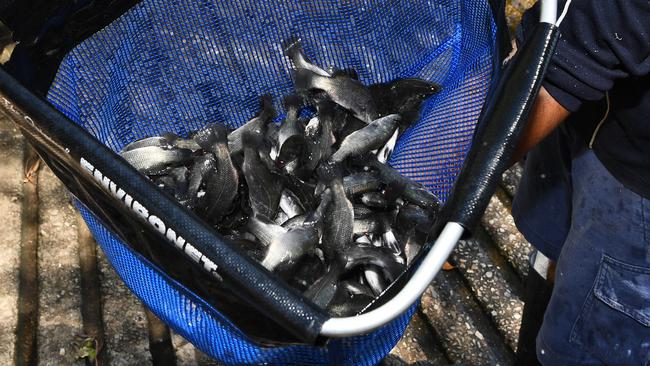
x=267 y=110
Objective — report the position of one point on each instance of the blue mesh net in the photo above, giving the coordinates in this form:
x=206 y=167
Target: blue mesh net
x=176 y=65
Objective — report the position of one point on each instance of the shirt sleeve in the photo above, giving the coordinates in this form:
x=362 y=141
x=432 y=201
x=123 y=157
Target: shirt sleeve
x=601 y=41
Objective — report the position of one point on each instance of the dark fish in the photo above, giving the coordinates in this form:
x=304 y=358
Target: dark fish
x=288 y=248
x=361 y=211
x=181 y=143
x=387 y=150
x=223 y=183
x=257 y=124
x=326 y=115
x=157 y=141
x=203 y=166
x=293 y=49
x=294 y=222
x=367 y=225
x=291 y=136
x=372 y=276
x=280 y=218
x=355 y=288
x=349 y=72
x=180 y=181
x=363 y=239
x=410 y=216
x=264 y=189
x=349 y=93
x=155 y=160
x=339 y=214
x=374 y=199
x=403 y=97
x=303 y=190
x=381 y=257
x=290 y=204
x=323 y=290
x=413 y=191
x=347 y=304
x=264 y=230
x=368 y=138
x=359 y=183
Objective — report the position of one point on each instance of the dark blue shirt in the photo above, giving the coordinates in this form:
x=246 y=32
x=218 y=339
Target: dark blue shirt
x=604 y=49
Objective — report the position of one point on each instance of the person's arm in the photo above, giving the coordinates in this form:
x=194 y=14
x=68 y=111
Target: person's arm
x=546 y=115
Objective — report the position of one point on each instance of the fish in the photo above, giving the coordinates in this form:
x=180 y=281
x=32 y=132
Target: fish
x=290 y=204
x=360 y=183
x=387 y=150
x=293 y=49
x=413 y=191
x=374 y=199
x=291 y=136
x=258 y=124
x=343 y=90
x=181 y=143
x=265 y=230
x=158 y=141
x=280 y=218
x=361 y=211
x=346 y=303
x=223 y=183
x=371 y=137
x=403 y=97
x=411 y=215
x=287 y=248
x=201 y=168
x=264 y=189
x=366 y=225
x=156 y=160
x=382 y=258
x=372 y=276
x=339 y=214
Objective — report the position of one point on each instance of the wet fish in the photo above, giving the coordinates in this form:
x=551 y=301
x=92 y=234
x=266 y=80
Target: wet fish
x=293 y=49
x=374 y=279
x=290 y=204
x=339 y=215
x=157 y=141
x=287 y=248
x=291 y=136
x=410 y=216
x=155 y=160
x=374 y=199
x=223 y=183
x=361 y=211
x=359 y=183
x=264 y=190
x=387 y=150
x=403 y=97
x=258 y=124
x=368 y=138
x=366 y=225
x=265 y=230
x=343 y=90
x=181 y=143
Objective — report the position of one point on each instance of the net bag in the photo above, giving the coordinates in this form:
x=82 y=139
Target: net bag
x=178 y=65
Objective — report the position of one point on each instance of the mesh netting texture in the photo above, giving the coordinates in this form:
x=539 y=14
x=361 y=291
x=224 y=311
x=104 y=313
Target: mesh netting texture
x=177 y=65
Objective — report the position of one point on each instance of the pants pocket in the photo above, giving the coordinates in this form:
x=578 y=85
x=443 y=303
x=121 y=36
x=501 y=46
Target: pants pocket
x=614 y=324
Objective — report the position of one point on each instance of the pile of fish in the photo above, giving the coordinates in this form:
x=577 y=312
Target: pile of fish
x=312 y=198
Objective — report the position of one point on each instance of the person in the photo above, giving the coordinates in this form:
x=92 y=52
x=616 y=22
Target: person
x=584 y=199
